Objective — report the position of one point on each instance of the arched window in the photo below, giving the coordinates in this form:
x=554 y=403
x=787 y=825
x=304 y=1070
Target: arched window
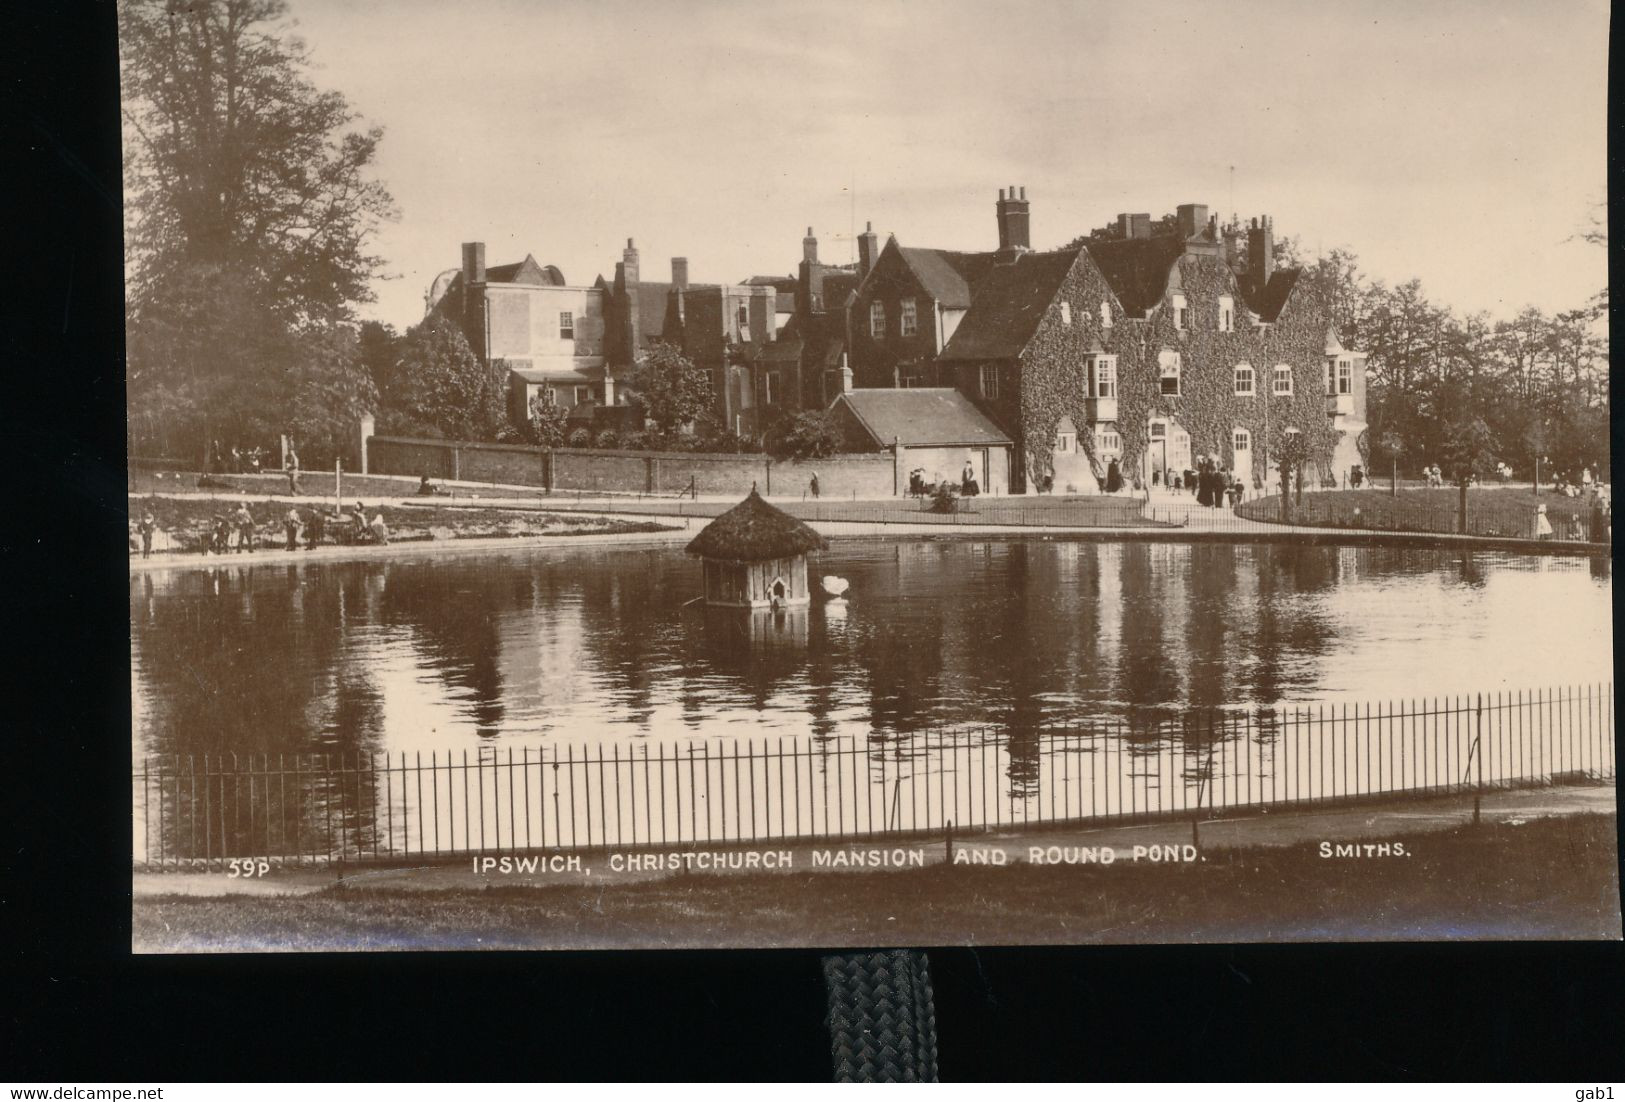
x=1244 y=380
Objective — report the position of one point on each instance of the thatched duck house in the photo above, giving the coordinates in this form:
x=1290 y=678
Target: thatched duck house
x=756 y=556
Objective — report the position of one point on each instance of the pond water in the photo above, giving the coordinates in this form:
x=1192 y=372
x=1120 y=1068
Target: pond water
x=537 y=646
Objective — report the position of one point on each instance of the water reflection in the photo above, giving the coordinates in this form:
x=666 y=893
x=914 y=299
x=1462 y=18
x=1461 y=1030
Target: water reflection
x=538 y=647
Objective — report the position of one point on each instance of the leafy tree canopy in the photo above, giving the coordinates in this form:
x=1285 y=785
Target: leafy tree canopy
x=670 y=388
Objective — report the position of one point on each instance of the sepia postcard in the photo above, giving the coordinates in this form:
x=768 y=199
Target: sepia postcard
x=722 y=474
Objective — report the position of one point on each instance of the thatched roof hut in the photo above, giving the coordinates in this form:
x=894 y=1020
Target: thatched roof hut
x=754 y=531
x=756 y=556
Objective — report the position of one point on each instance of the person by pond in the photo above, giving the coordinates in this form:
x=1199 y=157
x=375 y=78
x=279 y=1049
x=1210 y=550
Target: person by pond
x=1356 y=476
x=1114 y=477
x=290 y=525
x=380 y=530
x=245 y=528
x=1204 y=485
x=812 y=484
x=316 y=529
x=358 y=521
x=1543 y=527
x=427 y=488
x=1234 y=492
x=148 y=525
x=293 y=472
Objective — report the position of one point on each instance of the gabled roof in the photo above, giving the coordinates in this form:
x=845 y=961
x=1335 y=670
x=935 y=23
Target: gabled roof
x=754 y=531
x=527 y=271
x=921 y=417
x=946 y=276
x=1267 y=301
x=1136 y=269
x=1010 y=302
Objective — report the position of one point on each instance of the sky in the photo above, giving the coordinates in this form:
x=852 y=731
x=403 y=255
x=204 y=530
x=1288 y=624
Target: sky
x=1462 y=143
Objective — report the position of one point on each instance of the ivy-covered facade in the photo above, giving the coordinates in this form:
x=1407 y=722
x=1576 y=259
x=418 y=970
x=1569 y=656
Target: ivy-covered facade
x=1156 y=350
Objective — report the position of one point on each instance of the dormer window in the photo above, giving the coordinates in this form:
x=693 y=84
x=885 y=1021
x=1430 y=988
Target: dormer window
x=1105 y=315
x=1227 y=314
x=909 y=320
x=1179 y=311
x=1168 y=372
x=877 y=320
x=1066 y=312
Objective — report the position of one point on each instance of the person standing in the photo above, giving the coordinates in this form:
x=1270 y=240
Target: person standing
x=966 y=478
x=1114 y=477
x=293 y=471
x=812 y=485
x=380 y=530
x=245 y=528
x=148 y=526
x=1543 y=527
x=290 y=525
x=315 y=530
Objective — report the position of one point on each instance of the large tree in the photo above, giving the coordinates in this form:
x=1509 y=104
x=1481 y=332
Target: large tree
x=670 y=388
x=442 y=386
x=236 y=161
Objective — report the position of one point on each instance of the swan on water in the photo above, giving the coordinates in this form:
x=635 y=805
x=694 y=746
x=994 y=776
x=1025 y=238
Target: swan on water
x=835 y=587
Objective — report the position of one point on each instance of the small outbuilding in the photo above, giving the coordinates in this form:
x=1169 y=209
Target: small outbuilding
x=756 y=556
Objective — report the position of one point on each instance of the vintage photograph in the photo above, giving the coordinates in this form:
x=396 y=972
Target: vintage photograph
x=719 y=474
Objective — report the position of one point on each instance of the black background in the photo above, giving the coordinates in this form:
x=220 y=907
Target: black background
x=79 y=1008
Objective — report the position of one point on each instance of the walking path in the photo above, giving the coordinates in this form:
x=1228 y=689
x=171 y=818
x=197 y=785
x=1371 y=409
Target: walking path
x=1336 y=825
x=1168 y=517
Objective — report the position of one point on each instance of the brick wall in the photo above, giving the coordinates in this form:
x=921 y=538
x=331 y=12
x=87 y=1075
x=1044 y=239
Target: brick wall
x=862 y=476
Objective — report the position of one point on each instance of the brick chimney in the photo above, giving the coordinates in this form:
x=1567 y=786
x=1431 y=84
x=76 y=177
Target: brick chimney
x=1013 y=220
x=679 y=272
x=626 y=304
x=473 y=262
x=846 y=375
x=809 y=248
x=1261 y=249
x=810 y=281
x=1232 y=246
x=1131 y=226
x=868 y=249
x=1192 y=219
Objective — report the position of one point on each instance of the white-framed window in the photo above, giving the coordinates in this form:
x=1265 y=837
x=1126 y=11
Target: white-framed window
x=908 y=319
x=1345 y=376
x=990 y=380
x=567 y=325
x=1159 y=430
x=877 y=320
x=1331 y=375
x=1244 y=380
x=1105 y=376
x=1066 y=443
x=1105 y=315
x=1066 y=312
x=1179 y=311
x=1108 y=442
x=1283 y=380
x=1227 y=314
x=1168 y=372
x=583 y=395
x=1241 y=441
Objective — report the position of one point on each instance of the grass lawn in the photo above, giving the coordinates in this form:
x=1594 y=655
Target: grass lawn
x=314 y=484
x=1491 y=511
x=1547 y=878
x=185 y=520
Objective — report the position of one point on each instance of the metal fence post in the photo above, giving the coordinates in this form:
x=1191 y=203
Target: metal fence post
x=1478 y=755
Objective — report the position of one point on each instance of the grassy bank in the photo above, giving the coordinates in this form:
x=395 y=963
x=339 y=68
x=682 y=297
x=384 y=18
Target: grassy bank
x=314 y=484
x=186 y=520
x=1547 y=878
x=1490 y=511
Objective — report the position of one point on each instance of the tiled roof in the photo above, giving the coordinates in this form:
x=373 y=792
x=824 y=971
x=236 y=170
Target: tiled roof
x=1010 y=302
x=948 y=277
x=781 y=351
x=526 y=271
x=922 y=417
x=1267 y=301
x=1137 y=269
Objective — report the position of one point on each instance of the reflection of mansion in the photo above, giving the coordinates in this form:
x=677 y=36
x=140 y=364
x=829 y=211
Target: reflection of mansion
x=1148 y=344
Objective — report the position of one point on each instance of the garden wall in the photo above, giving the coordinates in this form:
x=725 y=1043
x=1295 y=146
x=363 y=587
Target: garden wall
x=631 y=472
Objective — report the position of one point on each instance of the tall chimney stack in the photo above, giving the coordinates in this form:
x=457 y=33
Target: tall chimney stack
x=868 y=249
x=473 y=262
x=1261 y=250
x=679 y=272
x=629 y=257
x=809 y=247
x=1192 y=219
x=1014 y=232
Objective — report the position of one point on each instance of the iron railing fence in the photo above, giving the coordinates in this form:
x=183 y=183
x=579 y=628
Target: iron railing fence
x=300 y=808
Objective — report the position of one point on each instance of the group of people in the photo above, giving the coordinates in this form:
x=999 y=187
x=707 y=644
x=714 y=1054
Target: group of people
x=1211 y=484
x=253 y=461
x=919 y=487
x=238 y=531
